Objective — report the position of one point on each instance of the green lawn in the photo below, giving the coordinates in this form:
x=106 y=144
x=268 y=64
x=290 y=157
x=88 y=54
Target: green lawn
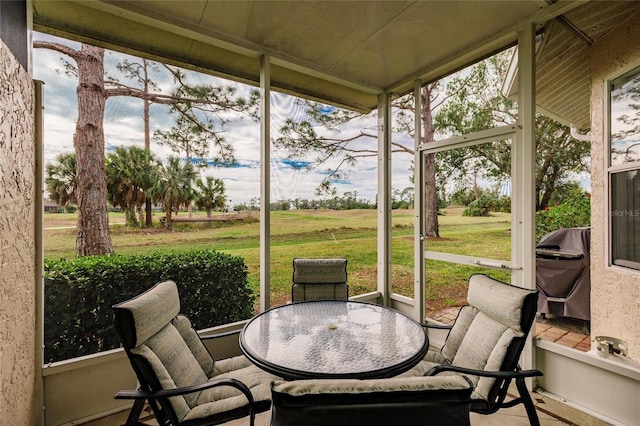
x=316 y=233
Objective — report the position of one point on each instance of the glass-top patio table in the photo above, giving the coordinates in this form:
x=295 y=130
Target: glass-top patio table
x=333 y=339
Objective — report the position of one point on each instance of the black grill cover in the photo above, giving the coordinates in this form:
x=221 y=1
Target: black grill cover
x=562 y=273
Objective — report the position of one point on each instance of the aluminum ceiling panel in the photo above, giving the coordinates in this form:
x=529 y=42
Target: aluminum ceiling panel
x=419 y=38
x=563 y=62
x=343 y=52
x=316 y=32
x=563 y=76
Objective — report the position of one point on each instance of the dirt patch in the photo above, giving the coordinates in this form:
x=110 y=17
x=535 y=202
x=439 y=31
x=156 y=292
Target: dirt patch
x=439 y=239
x=214 y=218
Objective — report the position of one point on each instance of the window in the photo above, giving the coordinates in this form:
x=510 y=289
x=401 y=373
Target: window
x=624 y=170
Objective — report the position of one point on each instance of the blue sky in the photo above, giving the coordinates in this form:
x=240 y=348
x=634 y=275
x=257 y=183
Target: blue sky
x=124 y=127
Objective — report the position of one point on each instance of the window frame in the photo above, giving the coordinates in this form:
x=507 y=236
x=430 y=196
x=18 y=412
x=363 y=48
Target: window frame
x=611 y=171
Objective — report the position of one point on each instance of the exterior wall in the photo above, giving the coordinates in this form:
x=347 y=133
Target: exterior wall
x=615 y=294
x=18 y=370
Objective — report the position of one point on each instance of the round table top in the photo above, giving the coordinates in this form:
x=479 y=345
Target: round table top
x=333 y=339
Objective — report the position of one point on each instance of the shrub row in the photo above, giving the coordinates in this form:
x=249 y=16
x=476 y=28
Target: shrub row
x=575 y=211
x=484 y=204
x=79 y=293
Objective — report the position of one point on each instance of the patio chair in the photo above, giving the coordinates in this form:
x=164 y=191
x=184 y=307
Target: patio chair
x=485 y=344
x=176 y=374
x=442 y=400
x=319 y=279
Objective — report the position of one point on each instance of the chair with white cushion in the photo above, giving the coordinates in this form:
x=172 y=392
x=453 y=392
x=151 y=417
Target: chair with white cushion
x=176 y=374
x=319 y=279
x=485 y=343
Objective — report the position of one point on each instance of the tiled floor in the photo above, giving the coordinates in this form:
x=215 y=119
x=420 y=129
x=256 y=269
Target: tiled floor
x=579 y=341
x=550 y=413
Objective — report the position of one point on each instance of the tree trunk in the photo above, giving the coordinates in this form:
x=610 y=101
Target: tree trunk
x=147 y=146
x=430 y=191
x=93 y=236
x=549 y=183
x=147 y=141
x=189 y=202
x=476 y=191
x=130 y=216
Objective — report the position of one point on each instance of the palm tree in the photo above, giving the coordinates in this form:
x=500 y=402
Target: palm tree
x=210 y=194
x=172 y=186
x=129 y=176
x=61 y=179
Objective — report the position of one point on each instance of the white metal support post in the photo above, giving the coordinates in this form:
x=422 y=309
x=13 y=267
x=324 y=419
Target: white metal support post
x=419 y=238
x=265 y=182
x=384 y=197
x=524 y=160
x=39 y=235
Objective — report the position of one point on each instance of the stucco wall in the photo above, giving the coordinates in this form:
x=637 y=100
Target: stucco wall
x=17 y=253
x=615 y=294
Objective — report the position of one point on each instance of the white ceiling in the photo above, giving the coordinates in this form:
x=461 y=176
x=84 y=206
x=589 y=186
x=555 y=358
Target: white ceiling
x=341 y=52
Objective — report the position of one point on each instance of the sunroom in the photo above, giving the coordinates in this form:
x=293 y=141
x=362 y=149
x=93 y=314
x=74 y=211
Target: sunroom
x=571 y=56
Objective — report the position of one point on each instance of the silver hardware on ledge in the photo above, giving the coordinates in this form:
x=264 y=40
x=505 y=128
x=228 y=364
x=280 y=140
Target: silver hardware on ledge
x=610 y=346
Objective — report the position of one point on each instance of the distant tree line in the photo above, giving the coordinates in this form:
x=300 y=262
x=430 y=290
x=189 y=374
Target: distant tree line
x=348 y=201
x=133 y=176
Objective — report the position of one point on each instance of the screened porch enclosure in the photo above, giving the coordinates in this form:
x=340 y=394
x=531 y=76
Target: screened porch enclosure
x=361 y=56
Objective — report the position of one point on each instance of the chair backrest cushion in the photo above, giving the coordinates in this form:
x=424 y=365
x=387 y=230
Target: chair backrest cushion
x=174 y=366
x=193 y=341
x=503 y=302
x=349 y=402
x=152 y=330
x=484 y=347
x=322 y=271
x=488 y=333
x=300 y=292
x=457 y=333
x=141 y=317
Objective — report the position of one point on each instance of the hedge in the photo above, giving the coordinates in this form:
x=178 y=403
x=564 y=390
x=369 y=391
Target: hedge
x=575 y=211
x=79 y=293
x=480 y=207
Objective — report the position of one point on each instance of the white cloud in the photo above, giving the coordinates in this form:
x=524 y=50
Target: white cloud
x=124 y=127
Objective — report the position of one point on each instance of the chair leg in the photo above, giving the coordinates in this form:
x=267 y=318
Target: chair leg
x=528 y=402
x=252 y=416
x=134 y=414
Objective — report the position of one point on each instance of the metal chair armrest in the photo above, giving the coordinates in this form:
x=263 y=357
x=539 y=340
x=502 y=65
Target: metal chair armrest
x=436 y=326
x=141 y=394
x=166 y=393
x=483 y=373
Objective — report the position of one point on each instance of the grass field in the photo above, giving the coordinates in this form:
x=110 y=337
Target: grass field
x=315 y=233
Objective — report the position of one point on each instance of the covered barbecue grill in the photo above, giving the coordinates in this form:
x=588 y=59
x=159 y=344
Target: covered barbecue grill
x=562 y=273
